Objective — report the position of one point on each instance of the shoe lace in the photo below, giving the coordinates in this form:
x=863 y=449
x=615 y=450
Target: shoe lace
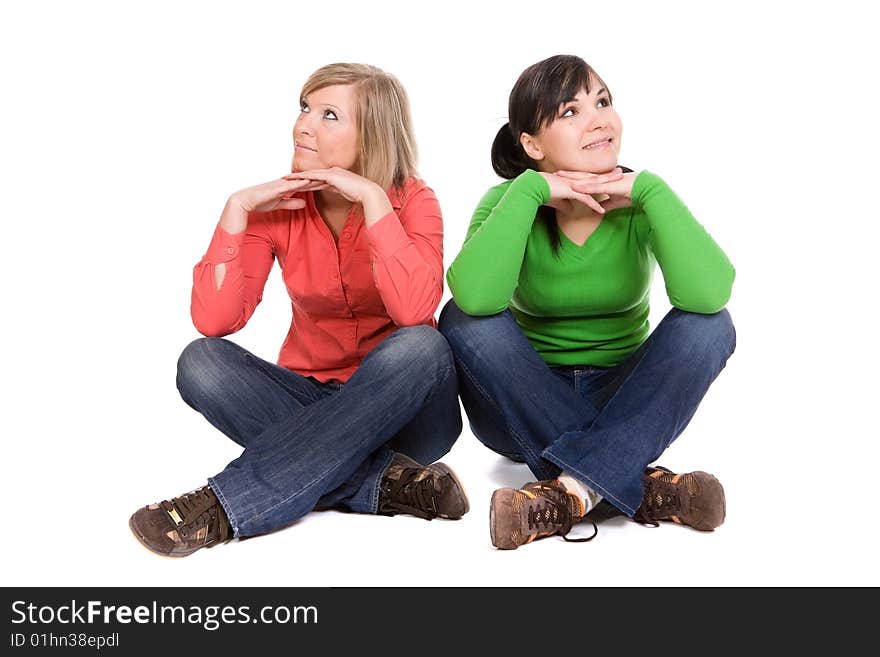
x=660 y=501
x=642 y=518
x=553 y=515
x=408 y=495
x=196 y=510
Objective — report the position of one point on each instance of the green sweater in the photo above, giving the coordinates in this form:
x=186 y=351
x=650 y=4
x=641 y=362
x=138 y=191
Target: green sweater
x=589 y=305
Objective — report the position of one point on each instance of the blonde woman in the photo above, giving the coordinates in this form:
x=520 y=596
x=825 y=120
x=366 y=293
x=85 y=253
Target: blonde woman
x=364 y=391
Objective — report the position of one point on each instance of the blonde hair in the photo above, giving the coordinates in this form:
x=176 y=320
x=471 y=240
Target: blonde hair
x=386 y=144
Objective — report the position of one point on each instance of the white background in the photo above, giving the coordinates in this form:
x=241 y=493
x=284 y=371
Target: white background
x=126 y=126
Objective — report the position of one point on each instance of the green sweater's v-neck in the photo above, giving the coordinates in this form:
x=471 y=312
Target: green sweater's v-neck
x=586 y=304
x=593 y=241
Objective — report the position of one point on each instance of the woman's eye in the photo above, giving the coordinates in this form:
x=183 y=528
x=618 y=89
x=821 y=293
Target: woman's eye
x=330 y=114
x=604 y=102
x=304 y=108
x=568 y=112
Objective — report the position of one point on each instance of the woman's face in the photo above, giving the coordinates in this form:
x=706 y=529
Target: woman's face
x=325 y=134
x=584 y=137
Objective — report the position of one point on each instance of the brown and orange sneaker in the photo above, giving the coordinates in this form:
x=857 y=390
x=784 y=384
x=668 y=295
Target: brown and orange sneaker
x=694 y=498
x=426 y=491
x=537 y=510
x=180 y=526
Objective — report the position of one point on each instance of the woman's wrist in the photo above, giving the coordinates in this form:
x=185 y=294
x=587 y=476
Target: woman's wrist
x=234 y=217
x=376 y=205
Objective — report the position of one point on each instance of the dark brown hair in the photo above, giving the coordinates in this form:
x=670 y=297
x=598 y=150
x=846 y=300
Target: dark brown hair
x=533 y=105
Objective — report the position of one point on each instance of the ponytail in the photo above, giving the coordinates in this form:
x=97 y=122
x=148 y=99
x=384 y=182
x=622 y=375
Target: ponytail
x=508 y=157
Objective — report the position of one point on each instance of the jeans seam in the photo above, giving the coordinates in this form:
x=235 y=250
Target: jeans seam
x=491 y=401
x=628 y=376
x=562 y=464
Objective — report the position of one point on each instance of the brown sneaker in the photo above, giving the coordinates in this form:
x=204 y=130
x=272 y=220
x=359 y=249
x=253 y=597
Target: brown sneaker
x=537 y=510
x=179 y=527
x=694 y=498
x=426 y=491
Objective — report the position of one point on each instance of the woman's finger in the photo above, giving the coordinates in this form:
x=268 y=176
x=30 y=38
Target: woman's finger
x=295 y=177
x=314 y=187
x=316 y=174
x=616 y=174
x=614 y=202
x=589 y=201
x=585 y=187
x=561 y=205
x=299 y=183
x=309 y=186
x=619 y=187
x=291 y=204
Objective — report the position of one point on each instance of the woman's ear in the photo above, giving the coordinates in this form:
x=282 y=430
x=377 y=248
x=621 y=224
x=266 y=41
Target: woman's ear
x=531 y=147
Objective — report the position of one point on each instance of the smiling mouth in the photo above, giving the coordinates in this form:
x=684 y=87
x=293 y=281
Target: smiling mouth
x=598 y=144
x=306 y=148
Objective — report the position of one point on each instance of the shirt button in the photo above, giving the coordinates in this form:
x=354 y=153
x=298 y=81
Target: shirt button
x=230 y=250
x=347 y=236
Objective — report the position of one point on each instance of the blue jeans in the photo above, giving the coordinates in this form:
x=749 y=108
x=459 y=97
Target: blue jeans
x=314 y=445
x=601 y=425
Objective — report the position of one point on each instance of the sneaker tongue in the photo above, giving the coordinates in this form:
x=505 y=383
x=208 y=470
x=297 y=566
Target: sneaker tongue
x=576 y=506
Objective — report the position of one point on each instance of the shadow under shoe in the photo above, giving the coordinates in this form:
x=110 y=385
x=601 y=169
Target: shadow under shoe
x=694 y=498
x=180 y=526
x=537 y=510
x=425 y=491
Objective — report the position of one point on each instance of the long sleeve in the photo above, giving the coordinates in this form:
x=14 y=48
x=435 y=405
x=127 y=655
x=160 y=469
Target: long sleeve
x=406 y=249
x=698 y=275
x=248 y=257
x=485 y=273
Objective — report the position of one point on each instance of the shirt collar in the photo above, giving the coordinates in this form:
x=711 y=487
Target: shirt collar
x=394 y=198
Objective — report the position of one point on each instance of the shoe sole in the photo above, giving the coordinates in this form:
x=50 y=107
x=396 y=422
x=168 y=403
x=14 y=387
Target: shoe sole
x=142 y=540
x=446 y=470
x=712 y=488
x=501 y=536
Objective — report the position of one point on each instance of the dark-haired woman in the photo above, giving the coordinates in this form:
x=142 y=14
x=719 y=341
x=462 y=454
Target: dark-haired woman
x=549 y=318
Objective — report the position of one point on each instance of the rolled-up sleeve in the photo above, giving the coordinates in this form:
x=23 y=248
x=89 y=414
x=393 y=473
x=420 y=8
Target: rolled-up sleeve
x=406 y=250
x=248 y=257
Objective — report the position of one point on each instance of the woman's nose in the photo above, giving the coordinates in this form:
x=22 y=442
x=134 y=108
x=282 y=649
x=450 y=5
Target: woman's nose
x=303 y=126
x=595 y=120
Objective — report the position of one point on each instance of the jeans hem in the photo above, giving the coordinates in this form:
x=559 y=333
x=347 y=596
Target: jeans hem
x=225 y=504
x=377 y=487
x=604 y=492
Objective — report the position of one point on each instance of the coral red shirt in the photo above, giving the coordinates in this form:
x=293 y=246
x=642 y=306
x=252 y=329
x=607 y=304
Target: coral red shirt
x=345 y=297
